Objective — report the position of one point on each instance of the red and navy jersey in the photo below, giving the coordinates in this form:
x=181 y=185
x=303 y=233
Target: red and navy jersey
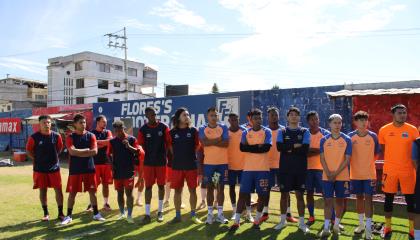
x=294 y=160
x=184 y=143
x=154 y=139
x=123 y=160
x=81 y=165
x=101 y=157
x=45 y=148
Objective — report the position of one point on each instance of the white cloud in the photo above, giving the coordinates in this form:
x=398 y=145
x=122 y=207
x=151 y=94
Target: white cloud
x=178 y=13
x=133 y=23
x=24 y=65
x=288 y=30
x=166 y=27
x=153 y=50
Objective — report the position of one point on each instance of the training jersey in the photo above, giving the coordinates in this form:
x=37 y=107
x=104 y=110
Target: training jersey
x=45 y=148
x=123 y=160
x=334 y=151
x=314 y=161
x=235 y=156
x=364 y=150
x=256 y=161
x=295 y=161
x=101 y=157
x=81 y=165
x=398 y=143
x=214 y=155
x=184 y=142
x=274 y=154
x=154 y=139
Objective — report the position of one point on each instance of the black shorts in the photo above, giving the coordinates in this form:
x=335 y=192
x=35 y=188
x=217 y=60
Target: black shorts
x=417 y=195
x=292 y=182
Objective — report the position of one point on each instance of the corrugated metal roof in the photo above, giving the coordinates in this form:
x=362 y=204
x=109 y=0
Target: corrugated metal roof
x=391 y=91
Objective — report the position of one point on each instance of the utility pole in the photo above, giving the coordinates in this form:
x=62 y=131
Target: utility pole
x=114 y=41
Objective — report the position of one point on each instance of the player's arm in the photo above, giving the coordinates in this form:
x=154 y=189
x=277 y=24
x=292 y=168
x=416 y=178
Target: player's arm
x=85 y=152
x=59 y=145
x=325 y=166
x=342 y=166
x=303 y=148
x=30 y=145
x=382 y=153
x=281 y=145
x=133 y=149
x=104 y=143
x=110 y=150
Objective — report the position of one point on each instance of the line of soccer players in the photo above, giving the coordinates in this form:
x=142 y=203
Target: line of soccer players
x=257 y=157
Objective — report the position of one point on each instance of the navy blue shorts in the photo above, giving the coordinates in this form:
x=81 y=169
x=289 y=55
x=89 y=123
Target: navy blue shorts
x=363 y=186
x=274 y=176
x=210 y=170
x=339 y=189
x=314 y=181
x=292 y=182
x=234 y=177
x=255 y=181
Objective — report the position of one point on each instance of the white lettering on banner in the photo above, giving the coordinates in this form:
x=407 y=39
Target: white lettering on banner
x=9 y=127
x=227 y=105
x=139 y=108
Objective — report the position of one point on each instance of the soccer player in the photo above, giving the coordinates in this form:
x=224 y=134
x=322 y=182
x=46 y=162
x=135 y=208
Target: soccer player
x=255 y=143
x=396 y=141
x=43 y=147
x=293 y=143
x=335 y=150
x=183 y=147
x=363 y=171
x=314 y=172
x=214 y=137
x=236 y=162
x=154 y=138
x=124 y=150
x=415 y=155
x=82 y=146
x=103 y=167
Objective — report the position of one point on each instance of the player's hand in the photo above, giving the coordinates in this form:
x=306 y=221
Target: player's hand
x=126 y=143
x=297 y=145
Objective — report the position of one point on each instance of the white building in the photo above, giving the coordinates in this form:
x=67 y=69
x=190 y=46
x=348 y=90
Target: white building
x=89 y=77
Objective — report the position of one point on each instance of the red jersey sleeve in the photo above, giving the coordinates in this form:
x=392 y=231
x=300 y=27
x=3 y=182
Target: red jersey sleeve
x=109 y=149
x=93 y=143
x=69 y=141
x=109 y=135
x=168 y=140
x=30 y=145
x=140 y=138
x=59 y=145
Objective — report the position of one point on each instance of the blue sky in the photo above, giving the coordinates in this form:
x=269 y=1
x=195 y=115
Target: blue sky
x=238 y=44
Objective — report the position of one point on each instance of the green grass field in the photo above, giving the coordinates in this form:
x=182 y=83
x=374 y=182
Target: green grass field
x=20 y=212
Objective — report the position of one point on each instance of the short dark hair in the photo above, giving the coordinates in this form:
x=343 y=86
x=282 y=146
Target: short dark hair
x=272 y=109
x=255 y=112
x=118 y=124
x=310 y=114
x=100 y=117
x=233 y=114
x=293 y=109
x=149 y=109
x=42 y=117
x=360 y=115
x=78 y=117
x=212 y=109
x=398 y=106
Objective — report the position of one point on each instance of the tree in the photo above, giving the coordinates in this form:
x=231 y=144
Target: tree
x=215 y=88
x=275 y=87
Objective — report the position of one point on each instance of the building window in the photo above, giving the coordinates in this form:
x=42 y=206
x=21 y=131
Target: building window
x=116 y=100
x=132 y=72
x=117 y=84
x=131 y=87
x=102 y=84
x=78 y=66
x=9 y=108
x=39 y=97
x=118 y=68
x=104 y=67
x=80 y=100
x=80 y=83
x=102 y=99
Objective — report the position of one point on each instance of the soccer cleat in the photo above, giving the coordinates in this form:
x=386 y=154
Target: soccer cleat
x=175 y=220
x=280 y=226
x=202 y=205
x=336 y=229
x=209 y=220
x=255 y=225
x=233 y=217
x=89 y=208
x=122 y=216
x=411 y=235
x=67 y=220
x=249 y=218
x=45 y=218
x=107 y=207
x=160 y=217
x=146 y=219
x=386 y=232
x=166 y=204
x=98 y=217
x=60 y=218
x=221 y=219
x=359 y=229
x=311 y=221
x=234 y=227
x=130 y=220
x=368 y=234
x=196 y=220
x=263 y=218
x=304 y=228
x=324 y=233
x=291 y=219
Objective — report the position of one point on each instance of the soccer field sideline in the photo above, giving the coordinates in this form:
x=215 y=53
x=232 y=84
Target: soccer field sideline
x=21 y=212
